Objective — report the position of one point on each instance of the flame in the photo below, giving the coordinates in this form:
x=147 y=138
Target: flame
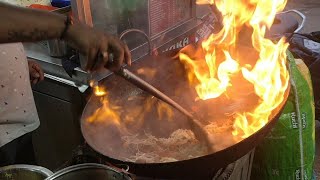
x=147 y=72
x=212 y=67
x=105 y=114
x=200 y=2
x=98 y=90
x=109 y=114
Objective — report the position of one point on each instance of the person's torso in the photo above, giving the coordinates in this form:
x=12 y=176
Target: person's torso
x=26 y=3
x=18 y=113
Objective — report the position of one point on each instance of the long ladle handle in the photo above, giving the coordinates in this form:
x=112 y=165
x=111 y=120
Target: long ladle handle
x=196 y=126
x=137 y=81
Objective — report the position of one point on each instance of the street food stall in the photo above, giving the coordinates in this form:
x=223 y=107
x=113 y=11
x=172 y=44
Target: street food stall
x=206 y=87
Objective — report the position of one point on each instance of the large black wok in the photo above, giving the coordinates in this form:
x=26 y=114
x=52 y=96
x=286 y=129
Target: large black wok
x=170 y=79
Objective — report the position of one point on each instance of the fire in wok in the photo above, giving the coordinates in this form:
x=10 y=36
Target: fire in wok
x=236 y=81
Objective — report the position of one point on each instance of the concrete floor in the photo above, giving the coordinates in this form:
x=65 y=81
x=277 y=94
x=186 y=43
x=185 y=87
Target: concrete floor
x=311 y=8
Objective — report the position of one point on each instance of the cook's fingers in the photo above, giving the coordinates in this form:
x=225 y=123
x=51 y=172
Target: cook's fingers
x=41 y=73
x=36 y=67
x=118 y=54
x=102 y=57
x=35 y=81
x=127 y=54
x=34 y=74
x=91 y=59
x=41 y=76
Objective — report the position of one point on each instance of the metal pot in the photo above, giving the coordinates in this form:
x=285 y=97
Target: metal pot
x=24 y=172
x=89 y=171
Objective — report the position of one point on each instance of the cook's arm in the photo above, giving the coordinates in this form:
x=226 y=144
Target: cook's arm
x=27 y=25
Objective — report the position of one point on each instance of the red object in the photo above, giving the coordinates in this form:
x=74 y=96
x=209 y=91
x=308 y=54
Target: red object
x=38 y=6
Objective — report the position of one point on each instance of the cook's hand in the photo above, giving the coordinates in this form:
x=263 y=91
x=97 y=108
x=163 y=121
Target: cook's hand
x=35 y=71
x=97 y=46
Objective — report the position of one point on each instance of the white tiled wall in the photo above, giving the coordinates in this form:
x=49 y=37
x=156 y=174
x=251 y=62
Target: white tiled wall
x=27 y=2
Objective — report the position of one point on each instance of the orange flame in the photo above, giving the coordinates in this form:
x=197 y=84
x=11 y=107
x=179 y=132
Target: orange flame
x=98 y=91
x=106 y=114
x=199 y=2
x=109 y=114
x=212 y=67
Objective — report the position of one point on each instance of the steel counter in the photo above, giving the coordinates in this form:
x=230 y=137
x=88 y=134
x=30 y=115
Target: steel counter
x=59 y=103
